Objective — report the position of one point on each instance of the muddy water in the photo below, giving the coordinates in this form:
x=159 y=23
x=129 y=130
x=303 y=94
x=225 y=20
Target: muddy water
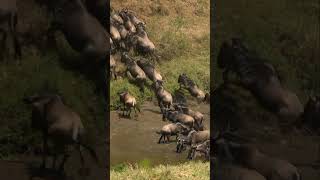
x=133 y=140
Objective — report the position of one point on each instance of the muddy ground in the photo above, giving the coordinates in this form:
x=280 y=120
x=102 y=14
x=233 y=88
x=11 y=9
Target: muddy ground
x=133 y=140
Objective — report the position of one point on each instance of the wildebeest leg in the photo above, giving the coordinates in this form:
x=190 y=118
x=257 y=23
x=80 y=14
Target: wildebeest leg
x=190 y=154
x=64 y=160
x=123 y=108
x=80 y=153
x=13 y=29
x=129 y=112
x=160 y=105
x=135 y=110
x=45 y=150
x=160 y=139
x=3 y=43
x=168 y=138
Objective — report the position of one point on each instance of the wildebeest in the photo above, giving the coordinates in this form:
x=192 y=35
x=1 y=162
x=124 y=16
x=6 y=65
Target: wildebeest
x=163 y=96
x=270 y=167
x=134 y=19
x=200 y=150
x=141 y=41
x=127 y=21
x=58 y=123
x=259 y=77
x=116 y=17
x=187 y=83
x=150 y=71
x=176 y=116
x=172 y=129
x=193 y=138
x=134 y=71
x=128 y=102
x=83 y=32
x=8 y=14
x=114 y=32
x=100 y=9
x=184 y=81
x=112 y=67
x=198 y=116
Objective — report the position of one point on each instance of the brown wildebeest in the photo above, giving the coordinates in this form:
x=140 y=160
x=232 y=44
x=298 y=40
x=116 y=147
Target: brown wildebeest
x=8 y=14
x=270 y=167
x=100 y=9
x=129 y=102
x=59 y=123
x=260 y=78
x=172 y=129
x=84 y=34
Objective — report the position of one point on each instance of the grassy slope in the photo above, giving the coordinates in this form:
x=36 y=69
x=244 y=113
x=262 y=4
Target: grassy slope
x=180 y=31
x=191 y=170
x=262 y=24
x=37 y=73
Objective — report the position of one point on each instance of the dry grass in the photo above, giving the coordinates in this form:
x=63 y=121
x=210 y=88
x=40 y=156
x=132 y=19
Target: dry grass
x=181 y=33
x=189 y=170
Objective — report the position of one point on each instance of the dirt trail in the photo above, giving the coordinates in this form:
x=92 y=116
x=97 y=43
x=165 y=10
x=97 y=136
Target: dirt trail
x=133 y=140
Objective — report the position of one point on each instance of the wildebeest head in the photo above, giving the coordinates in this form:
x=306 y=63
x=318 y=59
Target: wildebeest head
x=40 y=99
x=157 y=85
x=181 y=143
x=38 y=103
x=125 y=57
x=170 y=115
x=229 y=51
x=198 y=126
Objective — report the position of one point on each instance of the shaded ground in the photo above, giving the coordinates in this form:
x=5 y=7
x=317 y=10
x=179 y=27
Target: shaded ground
x=133 y=140
x=260 y=127
x=28 y=168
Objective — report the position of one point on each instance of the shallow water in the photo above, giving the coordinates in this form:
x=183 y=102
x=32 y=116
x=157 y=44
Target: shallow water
x=133 y=140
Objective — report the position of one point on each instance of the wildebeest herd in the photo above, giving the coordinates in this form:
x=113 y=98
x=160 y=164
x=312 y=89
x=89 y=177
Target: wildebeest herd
x=240 y=160
x=128 y=33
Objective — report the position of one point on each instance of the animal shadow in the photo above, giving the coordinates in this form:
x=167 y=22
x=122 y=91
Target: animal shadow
x=123 y=116
x=46 y=173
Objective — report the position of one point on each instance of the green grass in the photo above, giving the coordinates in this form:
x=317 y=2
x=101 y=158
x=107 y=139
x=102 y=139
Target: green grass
x=181 y=48
x=190 y=170
x=262 y=24
x=38 y=74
